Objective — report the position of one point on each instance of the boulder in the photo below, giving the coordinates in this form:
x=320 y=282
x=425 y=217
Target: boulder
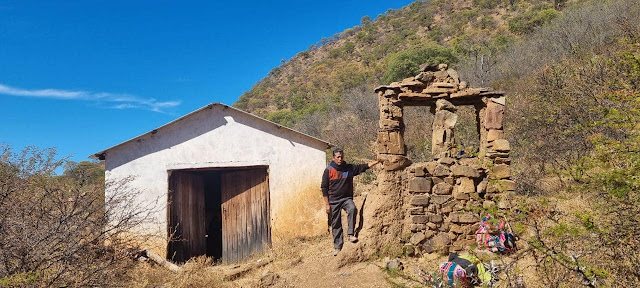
x=424 y=77
x=419 y=200
x=419 y=219
x=394 y=162
x=429 y=234
x=449 y=180
x=500 y=171
x=494 y=115
x=502 y=186
x=389 y=93
x=428 y=67
x=442 y=104
x=441 y=239
x=467 y=218
x=441 y=75
x=494 y=134
x=443 y=188
x=419 y=184
x=482 y=186
x=501 y=145
x=428 y=247
x=453 y=74
x=447 y=160
x=466 y=185
x=394 y=264
x=417 y=227
x=441 y=171
x=419 y=170
x=458 y=229
x=464 y=170
x=435 y=218
x=507 y=185
x=493 y=155
x=431 y=167
x=417 y=238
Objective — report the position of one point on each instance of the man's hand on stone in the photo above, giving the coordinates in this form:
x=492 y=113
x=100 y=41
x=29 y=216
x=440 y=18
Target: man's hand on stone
x=374 y=163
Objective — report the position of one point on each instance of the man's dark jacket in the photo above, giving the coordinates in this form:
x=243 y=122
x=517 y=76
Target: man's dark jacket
x=337 y=180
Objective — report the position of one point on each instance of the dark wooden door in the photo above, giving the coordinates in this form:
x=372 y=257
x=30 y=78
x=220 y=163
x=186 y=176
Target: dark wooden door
x=187 y=216
x=245 y=213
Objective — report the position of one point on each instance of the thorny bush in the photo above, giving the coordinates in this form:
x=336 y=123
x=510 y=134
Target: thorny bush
x=61 y=230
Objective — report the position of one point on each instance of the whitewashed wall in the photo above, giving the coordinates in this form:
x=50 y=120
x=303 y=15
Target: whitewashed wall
x=223 y=137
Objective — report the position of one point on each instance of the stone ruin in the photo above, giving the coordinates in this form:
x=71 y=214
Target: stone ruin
x=440 y=201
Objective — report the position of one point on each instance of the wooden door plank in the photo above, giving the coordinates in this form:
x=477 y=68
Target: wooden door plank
x=246 y=218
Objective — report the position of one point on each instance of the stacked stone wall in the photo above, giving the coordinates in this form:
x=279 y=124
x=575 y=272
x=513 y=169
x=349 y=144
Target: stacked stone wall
x=443 y=198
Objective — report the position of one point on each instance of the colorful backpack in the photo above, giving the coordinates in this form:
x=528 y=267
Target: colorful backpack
x=476 y=272
x=453 y=274
x=494 y=238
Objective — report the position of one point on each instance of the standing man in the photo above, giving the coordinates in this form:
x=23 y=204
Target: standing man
x=337 y=189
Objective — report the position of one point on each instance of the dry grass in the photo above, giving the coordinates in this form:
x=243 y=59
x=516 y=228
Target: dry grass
x=198 y=272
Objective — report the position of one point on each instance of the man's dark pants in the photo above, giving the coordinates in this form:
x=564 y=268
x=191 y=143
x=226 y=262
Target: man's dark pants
x=336 y=219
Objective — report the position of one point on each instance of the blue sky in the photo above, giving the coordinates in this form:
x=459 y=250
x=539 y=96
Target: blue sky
x=82 y=76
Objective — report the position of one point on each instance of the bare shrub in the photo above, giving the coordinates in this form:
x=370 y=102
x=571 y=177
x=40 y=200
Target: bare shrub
x=350 y=123
x=579 y=30
x=61 y=230
x=417 y=134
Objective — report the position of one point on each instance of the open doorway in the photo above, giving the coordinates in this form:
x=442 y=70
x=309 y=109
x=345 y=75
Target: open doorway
x=222 y=213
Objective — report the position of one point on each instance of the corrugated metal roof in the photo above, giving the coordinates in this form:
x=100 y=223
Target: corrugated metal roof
x=100 y=155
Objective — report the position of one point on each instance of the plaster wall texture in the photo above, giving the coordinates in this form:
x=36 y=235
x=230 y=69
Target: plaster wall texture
x=222 y=137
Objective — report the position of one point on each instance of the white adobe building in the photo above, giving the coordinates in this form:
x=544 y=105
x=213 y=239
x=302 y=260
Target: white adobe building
x=233 y=182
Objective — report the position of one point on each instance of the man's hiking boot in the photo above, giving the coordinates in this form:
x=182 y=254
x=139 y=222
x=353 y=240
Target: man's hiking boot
x=353 y=239
x=336 y=251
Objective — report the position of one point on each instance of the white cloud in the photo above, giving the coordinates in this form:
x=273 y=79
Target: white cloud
x=121 y=101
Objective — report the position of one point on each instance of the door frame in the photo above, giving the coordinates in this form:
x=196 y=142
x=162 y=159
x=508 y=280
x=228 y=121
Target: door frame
x=199 y=168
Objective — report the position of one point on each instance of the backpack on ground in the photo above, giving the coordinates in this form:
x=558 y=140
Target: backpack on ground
x=454 y=275
x=493 y=237
x=475 y=271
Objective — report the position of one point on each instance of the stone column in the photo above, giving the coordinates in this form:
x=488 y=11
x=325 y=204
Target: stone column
x=444 y=124
x=391 y=147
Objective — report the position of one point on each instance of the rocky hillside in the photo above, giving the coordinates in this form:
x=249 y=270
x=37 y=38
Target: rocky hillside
x=390 y=48
x=332 y=82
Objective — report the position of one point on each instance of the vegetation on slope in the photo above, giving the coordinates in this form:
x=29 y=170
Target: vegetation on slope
x=317 y=83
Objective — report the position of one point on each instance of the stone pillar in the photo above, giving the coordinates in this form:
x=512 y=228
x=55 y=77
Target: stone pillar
x=497 y=150
x=391 y=147
x=444 y=124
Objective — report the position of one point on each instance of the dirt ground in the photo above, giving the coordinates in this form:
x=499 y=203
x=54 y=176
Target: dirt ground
x=310 y=262
x=317 y=267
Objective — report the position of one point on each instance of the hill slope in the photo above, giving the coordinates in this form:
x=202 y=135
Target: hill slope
x=332 y=82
